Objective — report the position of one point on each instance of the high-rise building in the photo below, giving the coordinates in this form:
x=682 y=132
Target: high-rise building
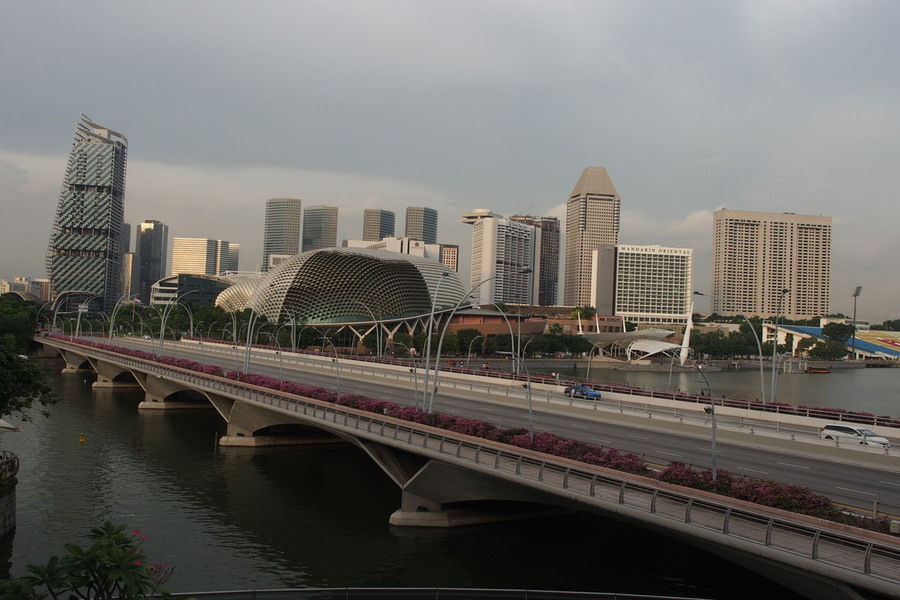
x=85 y=248
x=592 y=218
x=548 y=285
x=770 y=264
x=202 y=256
x=282 y=232
x=152 y=249
x=421 y=224
x=643 y=284
x=377 y=224
x=320 y=227
x=506 y=263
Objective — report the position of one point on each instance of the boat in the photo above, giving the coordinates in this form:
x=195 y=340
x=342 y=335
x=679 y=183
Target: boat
x=818 y=370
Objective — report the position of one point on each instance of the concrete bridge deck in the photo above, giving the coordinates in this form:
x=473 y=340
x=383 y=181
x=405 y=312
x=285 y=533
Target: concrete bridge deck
x=440 y=471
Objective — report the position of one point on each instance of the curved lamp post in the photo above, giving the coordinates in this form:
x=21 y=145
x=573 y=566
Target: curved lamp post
x=429 y=332
x=377 y=326
x=337 y=365
x=711 y=410
x=414 y=370
x=762 y=384
x=280 y=354
x=775 y=343
x=164 y=314
x=83 y=308
x=469 y=352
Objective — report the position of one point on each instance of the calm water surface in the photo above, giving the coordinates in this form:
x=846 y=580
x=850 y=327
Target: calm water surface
x=309 y=517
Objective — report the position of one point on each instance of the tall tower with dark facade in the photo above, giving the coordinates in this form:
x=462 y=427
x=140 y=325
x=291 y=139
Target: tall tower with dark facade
x=85 y=249
x=152 y=254
x=548 y=285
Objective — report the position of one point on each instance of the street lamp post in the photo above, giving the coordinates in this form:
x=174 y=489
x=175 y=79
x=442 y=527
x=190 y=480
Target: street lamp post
x=762 y=382
x=775 y=343
x=856 y=294
x=711 y=410
x=429 y=331
x=377 y=326
x=280 y=354
x=337 y=367
x=469 y=352
x=414 y=370
x=167 y=309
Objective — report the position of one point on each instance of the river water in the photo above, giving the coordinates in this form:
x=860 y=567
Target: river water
x=311 y=517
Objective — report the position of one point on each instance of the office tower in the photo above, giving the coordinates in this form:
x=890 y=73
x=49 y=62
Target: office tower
x=282 y=232
x=759 y=255
x=85 y=248
x=152 y=249
x=643 y=284
x=548 y=286
x=319 y=227
x=592 y=218
x=126 y=238
x=202 y=256
x=377 y=224
x=505 y=260
x=421 y=224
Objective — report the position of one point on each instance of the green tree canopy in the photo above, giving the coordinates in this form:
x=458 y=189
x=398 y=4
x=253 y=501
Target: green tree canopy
x=23 y=385
x=838 y=332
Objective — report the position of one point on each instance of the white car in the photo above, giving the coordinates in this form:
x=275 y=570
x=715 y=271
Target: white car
x=854 y=434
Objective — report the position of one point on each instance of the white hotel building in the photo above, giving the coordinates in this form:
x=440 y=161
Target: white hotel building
x=643 y=284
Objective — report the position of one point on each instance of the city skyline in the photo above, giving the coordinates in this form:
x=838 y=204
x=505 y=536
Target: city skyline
x=749 y=105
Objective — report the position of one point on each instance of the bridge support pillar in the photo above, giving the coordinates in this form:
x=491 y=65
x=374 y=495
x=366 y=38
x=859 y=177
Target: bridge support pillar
x=106 y=382
x=418 y=511
x=153 y=402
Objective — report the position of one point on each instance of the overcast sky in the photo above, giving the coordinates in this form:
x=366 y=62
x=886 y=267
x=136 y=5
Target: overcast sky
x=691 y=106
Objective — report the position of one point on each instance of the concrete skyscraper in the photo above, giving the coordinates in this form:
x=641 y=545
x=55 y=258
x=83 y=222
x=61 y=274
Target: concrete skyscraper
x=505 y=257
x=282 y=233
x=85 y=248
x=548 y=284
x=202 y=256
x=320 y=227
x=377 y=224
x=421 y=224
x=770 y=264
x=152 y=249
x=592 y=218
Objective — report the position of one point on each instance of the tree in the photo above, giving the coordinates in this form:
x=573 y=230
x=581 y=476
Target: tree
x=16 y=322
x=838 y=332
x=830 y=350
x=23 y=384
x=806 y=344
x=112 y=566
x=467 y=337
x=584 y=312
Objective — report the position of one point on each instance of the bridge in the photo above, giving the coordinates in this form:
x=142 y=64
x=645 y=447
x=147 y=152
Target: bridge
x=452 y=479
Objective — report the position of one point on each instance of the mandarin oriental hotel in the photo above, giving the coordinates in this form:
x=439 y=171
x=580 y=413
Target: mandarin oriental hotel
x=643 y=284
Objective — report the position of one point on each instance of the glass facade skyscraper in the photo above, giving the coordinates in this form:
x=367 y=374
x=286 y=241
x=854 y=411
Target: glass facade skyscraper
x=85 y=250
x=421 y=224
x=152 y=254
x=319 y=227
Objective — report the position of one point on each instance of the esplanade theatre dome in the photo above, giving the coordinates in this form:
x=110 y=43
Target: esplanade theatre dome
x=349 y=285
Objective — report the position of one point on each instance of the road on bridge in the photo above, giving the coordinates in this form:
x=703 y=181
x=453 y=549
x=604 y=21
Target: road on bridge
x=852 y=481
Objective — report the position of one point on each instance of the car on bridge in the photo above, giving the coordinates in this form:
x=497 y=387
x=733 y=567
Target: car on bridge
x=855 y=434
x=582 y=391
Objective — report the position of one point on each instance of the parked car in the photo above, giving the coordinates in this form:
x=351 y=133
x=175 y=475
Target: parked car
x=582 y=391
x=853 y=433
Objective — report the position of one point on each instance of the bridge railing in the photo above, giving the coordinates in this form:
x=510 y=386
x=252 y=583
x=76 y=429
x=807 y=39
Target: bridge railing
x=708 y=516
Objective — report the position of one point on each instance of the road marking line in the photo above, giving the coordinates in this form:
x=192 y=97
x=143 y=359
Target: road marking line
x=638 y=437
x=599 y=440
x=890 y=483
x=669 y=453
x=854 y=491
x=752 y=470
x=792 y=465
